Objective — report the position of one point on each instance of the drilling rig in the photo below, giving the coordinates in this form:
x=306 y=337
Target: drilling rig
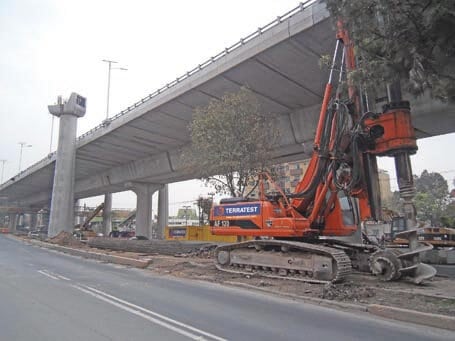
x=297 y=235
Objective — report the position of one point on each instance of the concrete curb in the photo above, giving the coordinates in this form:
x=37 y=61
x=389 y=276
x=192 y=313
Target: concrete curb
x=392 y=313
x=405 y=315
x=137 y=263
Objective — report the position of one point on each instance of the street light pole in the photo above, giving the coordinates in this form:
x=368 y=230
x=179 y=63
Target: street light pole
x=3 y=168
x=23 y=144
x=110 y=62
x=107 y=217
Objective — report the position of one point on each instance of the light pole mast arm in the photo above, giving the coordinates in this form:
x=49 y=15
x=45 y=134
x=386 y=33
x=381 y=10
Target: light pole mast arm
x=109 y=62
x=110 y=68
x=108 y=89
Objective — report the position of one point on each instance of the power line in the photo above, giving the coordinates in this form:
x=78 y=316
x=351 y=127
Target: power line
x=182 y=202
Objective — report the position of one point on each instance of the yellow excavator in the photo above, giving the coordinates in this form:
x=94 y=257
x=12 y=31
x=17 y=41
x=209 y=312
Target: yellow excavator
x=84 y=231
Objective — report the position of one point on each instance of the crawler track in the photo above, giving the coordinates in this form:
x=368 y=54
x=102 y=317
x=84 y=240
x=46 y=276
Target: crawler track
x=285 y=260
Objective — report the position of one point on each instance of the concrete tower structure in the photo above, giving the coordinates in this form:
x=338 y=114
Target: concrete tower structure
x=62 y=205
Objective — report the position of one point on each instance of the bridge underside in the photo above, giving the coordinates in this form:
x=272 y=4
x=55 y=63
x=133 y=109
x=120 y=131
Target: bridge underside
x=280 y=67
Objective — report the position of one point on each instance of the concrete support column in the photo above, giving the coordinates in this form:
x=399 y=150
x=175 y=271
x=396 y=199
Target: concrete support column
x=107 y=214
x=33 y=220
x=62 y=202
x=13 y=218
x=144 y=216
x=163 y=211
x=43 y=217
x=77 y=213
x=62 y=205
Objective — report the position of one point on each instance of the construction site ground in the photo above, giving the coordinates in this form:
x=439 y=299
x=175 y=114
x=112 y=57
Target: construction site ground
x=436 y=296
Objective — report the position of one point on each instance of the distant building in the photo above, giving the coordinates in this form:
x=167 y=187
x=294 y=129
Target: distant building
x=187 y=213
x=287 y=177
x=186 y=216
x=384 y=184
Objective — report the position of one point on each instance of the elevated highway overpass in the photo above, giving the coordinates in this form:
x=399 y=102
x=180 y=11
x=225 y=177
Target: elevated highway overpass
x=143 y=143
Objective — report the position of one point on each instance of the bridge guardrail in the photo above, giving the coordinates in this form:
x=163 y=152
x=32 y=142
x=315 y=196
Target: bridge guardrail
x=49 y=156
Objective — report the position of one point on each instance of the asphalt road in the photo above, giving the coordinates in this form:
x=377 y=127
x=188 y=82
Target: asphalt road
x=47 y=295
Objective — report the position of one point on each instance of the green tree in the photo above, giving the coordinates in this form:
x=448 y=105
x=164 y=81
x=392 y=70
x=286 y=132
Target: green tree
x=232 y=140
x=448 y=218
x=411 y=40
x=432 y=183
x=204 y=205
x=431 y=196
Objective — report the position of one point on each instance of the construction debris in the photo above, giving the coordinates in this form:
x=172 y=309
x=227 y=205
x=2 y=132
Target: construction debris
x=163 y=247
x=346 y=291
x=66 y=239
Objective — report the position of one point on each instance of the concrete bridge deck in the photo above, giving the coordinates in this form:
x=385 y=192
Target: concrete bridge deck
x=278 y=62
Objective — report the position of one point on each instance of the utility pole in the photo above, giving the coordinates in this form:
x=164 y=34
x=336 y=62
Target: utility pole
x=107 y=214
x=3 y=168
x=110 y=62
x=23 y=144
x=211 y=196
x=186 y=214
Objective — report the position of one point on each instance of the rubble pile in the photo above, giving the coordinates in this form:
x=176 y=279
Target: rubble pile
x=346 y=291
x=162 y=247
x=66 y=239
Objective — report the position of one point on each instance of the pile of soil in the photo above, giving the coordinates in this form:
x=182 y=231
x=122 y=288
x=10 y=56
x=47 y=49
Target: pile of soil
x=66 y=239
x=346 y=291
x=162 y=247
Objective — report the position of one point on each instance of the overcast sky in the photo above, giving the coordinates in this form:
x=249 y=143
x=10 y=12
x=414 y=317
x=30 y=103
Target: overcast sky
x=55 y=47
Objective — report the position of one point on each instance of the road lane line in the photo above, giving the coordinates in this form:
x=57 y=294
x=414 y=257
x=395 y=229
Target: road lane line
x=43 y=272
x=62 y=277
x=141 y=314
x=165 y=318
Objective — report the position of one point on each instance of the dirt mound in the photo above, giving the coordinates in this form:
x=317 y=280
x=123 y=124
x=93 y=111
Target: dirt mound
x=346 y=292
x=65 y=239
x=153 y=246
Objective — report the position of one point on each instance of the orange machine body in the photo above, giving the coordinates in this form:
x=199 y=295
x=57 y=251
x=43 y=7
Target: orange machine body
x=271 y=218
x=398 y=132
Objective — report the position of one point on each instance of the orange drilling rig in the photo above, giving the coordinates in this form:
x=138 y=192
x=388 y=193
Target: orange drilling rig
x=295 y=234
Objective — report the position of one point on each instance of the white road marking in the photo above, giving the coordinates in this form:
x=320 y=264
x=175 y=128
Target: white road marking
x=43 y=272
x=159 y=319
x=63 y=277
